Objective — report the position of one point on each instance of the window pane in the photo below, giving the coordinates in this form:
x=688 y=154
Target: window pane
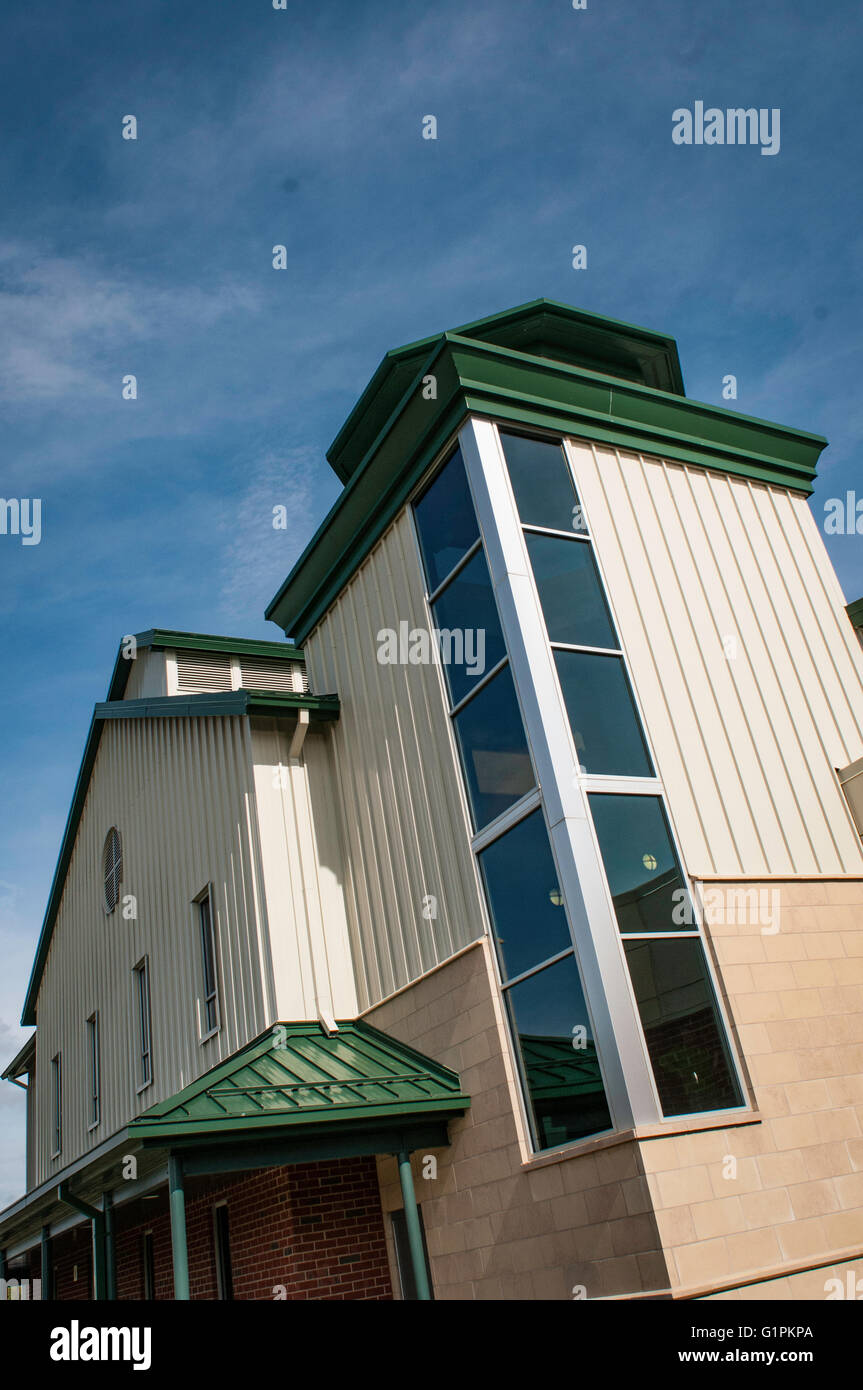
x=524 y=897
x=570 y=592
x=640 y=864
x=561 y=1068
x=602 y=716
x=684 y=1034
x=493 y=748
x=542 y=483
x=465 y=615
x=446 y=521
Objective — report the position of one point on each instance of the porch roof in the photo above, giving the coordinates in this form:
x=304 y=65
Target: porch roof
x=296 y=1080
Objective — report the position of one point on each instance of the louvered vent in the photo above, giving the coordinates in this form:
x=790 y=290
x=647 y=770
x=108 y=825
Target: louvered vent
x=200 y=671
x=282 y=675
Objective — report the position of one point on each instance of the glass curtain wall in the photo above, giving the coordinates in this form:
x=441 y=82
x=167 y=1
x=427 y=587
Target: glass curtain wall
x=541 y=981
x=683 y=1029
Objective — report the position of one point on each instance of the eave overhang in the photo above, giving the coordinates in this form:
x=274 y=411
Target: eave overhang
x=855 y=612
x=227 y=704
x=482 y=379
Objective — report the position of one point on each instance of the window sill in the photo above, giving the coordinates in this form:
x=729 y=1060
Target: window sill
x=729 y=1119
x=208 y=1037
x=145 y=1086
x=94 y=1125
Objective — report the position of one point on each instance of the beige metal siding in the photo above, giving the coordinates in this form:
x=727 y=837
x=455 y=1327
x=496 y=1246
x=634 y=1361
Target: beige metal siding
x=404 y=824
x=147 y=676
x=743 y=658
x=181 y=794
x=303 y=875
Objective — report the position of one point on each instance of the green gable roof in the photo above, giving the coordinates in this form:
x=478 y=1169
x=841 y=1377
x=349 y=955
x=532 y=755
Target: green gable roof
x=297 y=1077
x=544 y=380
x=855 y=612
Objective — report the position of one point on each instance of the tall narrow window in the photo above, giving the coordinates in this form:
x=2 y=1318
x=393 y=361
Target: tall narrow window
x=483 y=705
x=145 y=1046
x=148 y=1266
x=693 y=1067
x=541 y=982
x=222 y=1239
x=94 y=1075
x=209 y=969
x=56 y=1105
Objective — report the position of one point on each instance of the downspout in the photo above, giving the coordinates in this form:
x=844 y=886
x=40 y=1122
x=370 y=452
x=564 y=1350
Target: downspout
x=47 y=1291
x=412 y=1222
x=97 y=1221
x=179 y=1249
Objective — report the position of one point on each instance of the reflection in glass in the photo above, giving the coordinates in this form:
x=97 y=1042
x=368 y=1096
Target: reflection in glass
x=684 y=1034
x=640 y=864
x=525 y=901
x=558 y=1055
x=570 y=591
x=542 y=483
x=493 y=749
x=445 y=521
x=471 y=642
x=602 y=715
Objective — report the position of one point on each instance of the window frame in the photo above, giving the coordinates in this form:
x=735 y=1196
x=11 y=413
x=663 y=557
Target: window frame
x=208 y=997
x=57 y=1104
x=144 y=1011
x=94 y=1071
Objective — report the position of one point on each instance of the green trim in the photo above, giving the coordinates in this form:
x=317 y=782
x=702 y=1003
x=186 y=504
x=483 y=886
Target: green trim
x=855 y=612
x=295 y=1079
x=229 y=704
x=221 y=704
x=533 y=392
x=544 y=327
x=315 y=1145
x=165 y=639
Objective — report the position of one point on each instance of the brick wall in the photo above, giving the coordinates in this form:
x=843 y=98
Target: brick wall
x=315 y=1229
x=71 y=1256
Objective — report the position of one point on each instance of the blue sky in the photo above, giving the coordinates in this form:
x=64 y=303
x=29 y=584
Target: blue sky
x=303 y=127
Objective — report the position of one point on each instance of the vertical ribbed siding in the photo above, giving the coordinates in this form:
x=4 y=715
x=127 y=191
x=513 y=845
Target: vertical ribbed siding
x=403 y=818
x=702 y=564
x=180 y=792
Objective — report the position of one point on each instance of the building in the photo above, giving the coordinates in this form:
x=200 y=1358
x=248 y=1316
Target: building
x=502 y=931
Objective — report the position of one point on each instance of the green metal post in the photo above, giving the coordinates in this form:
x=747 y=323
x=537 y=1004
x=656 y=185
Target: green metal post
x=178 y=1228
x=110 y=1247
x=2 y=1264
x=46 y=1262
x=97 y=1229
x=412 y=1222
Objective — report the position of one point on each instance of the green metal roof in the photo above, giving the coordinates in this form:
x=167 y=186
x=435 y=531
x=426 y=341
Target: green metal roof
x=855 y=612
x=164 y=638
x=394 y=433
x=231 y=703
x=296 y=1076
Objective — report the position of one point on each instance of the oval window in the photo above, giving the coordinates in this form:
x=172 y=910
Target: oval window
x=112 y=868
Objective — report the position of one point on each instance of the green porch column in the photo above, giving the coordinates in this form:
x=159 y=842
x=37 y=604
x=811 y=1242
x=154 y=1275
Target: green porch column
x=179 y=1249
x=412 y=1223
x=97 y=1231
x=46 y=1262
x=110 y=1247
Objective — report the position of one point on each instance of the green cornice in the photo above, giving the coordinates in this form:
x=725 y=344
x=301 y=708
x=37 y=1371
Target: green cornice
x=543 y=328
x=855 y=612
x=484 y=379
x=165 y=639
x=233 y=703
